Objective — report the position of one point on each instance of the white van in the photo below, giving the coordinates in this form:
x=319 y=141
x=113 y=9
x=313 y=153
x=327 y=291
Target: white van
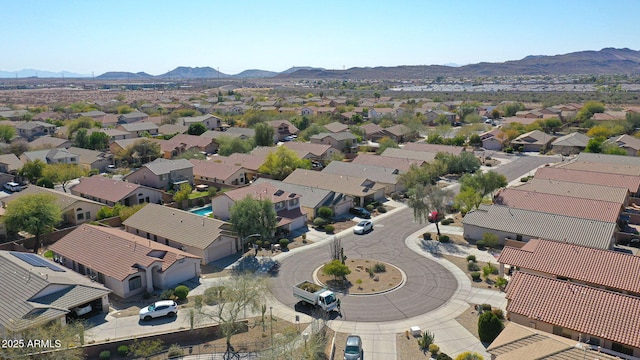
x=12 y=186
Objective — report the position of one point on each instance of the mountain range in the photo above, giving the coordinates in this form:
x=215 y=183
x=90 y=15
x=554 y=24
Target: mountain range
x=608 y=61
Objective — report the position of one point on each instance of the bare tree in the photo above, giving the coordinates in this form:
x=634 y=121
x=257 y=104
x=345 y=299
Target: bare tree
x=335 y=248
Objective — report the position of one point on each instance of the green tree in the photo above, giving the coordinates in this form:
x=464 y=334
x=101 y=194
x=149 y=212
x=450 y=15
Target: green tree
x=264 y=134
x=336 y=269
x=142 y=151
x=468 y=355
x=588 y=109
x=594 y=145
x=490 y=240
x=469 y=199
x=63 y=173
x=124 y=109
x=251 y=216
x=98 y=141
x=489 y=327
x=182 y=193
x=474 y=140
x=81 y=139
x=325 y=212
x=510 y=109
x=484 y=183
x=233 y=296
x=34 y=213
x=7 y=132
x=229 y=145
x=385 y=143
x=32 y=170
x=313 y=129
x=83 y=122
x=282 y=162
x=552 y=125
x=425 y=199
x=196 y=129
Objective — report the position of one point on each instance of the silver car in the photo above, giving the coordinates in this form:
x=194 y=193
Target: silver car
x=353 y=350
x=363 y=227
x=159 y=309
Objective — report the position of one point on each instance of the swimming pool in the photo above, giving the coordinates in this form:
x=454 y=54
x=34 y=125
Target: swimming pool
x=203 y=211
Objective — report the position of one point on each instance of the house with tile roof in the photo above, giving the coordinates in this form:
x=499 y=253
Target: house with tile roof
x=342 y=141
x=312 y=199
x=75 y=210
x=611 y=168
x=92 y=159
x=607 y=159
x=48 y=142
x=533 y=141
x=111 y=192
x=132 y=117
x=402 y=165
x=115 y=134
x=399 y=133
x=318 y=152
x=32 y=129
x=125 y=263
x=208 y=238
x=523 y=225
x=336 y=127
x=211 y=122
x=493 y=139
x=282 y=129
x=286 y=204
x=137 y=129
x=627 y=143
x=371 y=131
x=613 y=270
x=409 y=154
x=183 y=142
x=220 y=174
x=119 y=145
x=587 y=191
x=171 y=129
x=435 y=148
x=387 y=177
x=362 y=190
x=570 y=144
x=36 y=291
x=51 y=156
x=559 y=204
x=589 y=177
x=9 y=163
x=601 y=317
x=163 y=174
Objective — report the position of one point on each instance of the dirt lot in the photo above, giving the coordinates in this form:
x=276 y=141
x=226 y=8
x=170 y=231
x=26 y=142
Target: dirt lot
x=381 y=281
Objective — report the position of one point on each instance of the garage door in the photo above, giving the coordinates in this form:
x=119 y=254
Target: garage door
x=221 y=248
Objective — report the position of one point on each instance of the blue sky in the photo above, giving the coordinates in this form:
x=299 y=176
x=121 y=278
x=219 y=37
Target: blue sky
x=157 y=36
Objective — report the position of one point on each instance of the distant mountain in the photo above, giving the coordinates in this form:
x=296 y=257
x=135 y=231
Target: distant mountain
x=183 y=72
x=114 y=75
x=255 y=74
x=29 y=73
x=296 y=68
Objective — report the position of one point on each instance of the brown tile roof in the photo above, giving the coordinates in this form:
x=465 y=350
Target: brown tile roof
x=261 y=191
x=349 y=185
x=559 y=204
x=588 y=177
x=104 y=188
x=612 y=269
x=587 y=191
x=189 y=141
x=388 y=162
x=313 y=149
x=584 y=309
x=434 y=148
x=371 y=128
x=114 y=252
x=285 y=217
x=409 y=154
x=247 y=161
x=336 y=127
x=602 y=167
x=212 y=169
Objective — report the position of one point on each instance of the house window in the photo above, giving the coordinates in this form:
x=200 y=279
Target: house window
x=519 y=237
x=79 y=214
x=594 y=341
x=135 y=283
x=621 y=348
x=87 y=215
x=293 y=202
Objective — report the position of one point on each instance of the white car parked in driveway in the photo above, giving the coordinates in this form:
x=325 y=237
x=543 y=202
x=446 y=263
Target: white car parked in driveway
x=159 y=309
x=363 y=227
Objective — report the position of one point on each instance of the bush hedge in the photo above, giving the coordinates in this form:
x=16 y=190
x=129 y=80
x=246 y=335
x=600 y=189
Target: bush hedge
x=473 y=266
x=471 y=258
x=329 y=228
x=475 y=276
x=181 y=292
x=284 y=243
x=444 y=238
x=104 y=355
x=489 y=327
x=480 y=244
x=382 y=209
x=123 y=350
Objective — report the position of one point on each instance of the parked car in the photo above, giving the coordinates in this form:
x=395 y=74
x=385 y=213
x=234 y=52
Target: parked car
x=159 y=309
x=363 y=227
x=360 y=212
x=353 y=349
x=82 y=310
x=13 y=186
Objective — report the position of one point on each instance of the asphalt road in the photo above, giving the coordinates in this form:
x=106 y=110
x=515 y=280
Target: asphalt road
x=428 y=284
x=523 y=164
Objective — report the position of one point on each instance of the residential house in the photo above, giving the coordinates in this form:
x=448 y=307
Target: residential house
x=307 y=111
x=75 y=210
x=125 y=263
x=163 y=174
x=493 y=139
x=379 y=113
x=372 y=131
x=282 y=129
x=388 y=177
x=522 y=225
x=48 y=142
x=208 y=238
x=96 y=115
x=211 y=122
x=10 y=164
x=287 y=205
x=120 y=145
x=362 y=190
x=14 y=115
x=343 y=141
x=250 y=162
x=416 y=155
x=312 y=199
x=314 y=152
x=115 y=134
x=618 y=195
x=219 y=174
x=609 y=116
x=37 y=291
x=92 y=159
x=626 y=142
x=132 y=117
x=433 y=115
x=559 y=204
x=32 y=129
x=51 y=156
x=530 y=114
x=138 y=129
x=608 y=159
x=183 y=142
x=612 y=168
x=533 y=141
x=399 y=133
x=604 y=318
x=520 y=120
x=572 y=143
x=435 y=148
x=243 y=133
x=111 y=192
x=336 y=127
x=588 y=177
x=171 y=129
x=402 y=165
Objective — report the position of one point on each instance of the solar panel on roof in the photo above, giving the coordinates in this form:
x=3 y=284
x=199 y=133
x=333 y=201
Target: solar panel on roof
x=35 y=260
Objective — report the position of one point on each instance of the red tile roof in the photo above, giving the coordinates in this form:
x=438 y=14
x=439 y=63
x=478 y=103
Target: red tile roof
x=558 y=204
x=101 y=187
x=247 y=161
x=586 y=310
x=612 y=269
x=114 y=252
x=589 y=177
x=212 y=169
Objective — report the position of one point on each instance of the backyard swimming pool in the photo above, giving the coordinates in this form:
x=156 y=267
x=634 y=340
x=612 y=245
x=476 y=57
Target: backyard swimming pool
x=203 y=211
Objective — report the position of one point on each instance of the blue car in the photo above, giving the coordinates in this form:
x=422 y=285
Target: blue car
x=360 y=212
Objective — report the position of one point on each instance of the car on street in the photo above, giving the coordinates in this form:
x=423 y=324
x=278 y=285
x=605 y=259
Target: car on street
x=159 y=309
x=363 y=227
x=360 y=212
x=353 y=350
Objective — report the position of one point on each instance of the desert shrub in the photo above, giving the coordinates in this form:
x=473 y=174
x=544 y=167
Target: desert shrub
x=325 y=212
x=329 y=228
x=319 y=222
x=524 y=179
x=499 y=313
x=475 y=276
x=426 y=340
x=283 y=243
x=490 y=240
x=48 y=254
x=444 y=238
x=175 y=351
x=489 y=327
x=379 y=268
x=509 y=150
x=369 y=208
x=104 y=355
x=259 y=243
x=381 y=209
x=489 y=269
x=501 y=282
x=167 y=294
x=486 y=307
x=123 y=350
x=446 y=221
x=480 y=244
x=396 y=196
x=181 y=292
x=468 y=355
x=433 y=349
x=426 y=236
x=266 y=244
x=471 y=258
x=443 y=356
x=473 y=266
